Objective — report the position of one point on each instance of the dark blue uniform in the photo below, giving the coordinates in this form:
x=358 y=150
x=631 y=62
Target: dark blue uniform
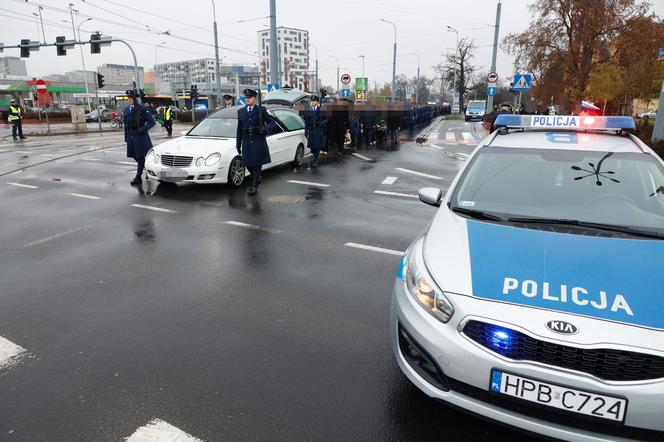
x=314 y=130
x=250 y=139
x=137 y=123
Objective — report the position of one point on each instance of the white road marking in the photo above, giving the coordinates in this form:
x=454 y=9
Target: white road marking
x=126 y=162
x=362 y=157
x=414 y=172
x=9 y=352
x=251 y=226
x=50 y=155
x=4 y=150
x=449 y=136
x=52 y=237
x=156 y=209
x=91 y=159
x=158 y=430
x=468 y=137
x=389 y=180
x=26 y=186
x=23 y=152
x=308 y=183
x=81 y=195
x=374 y=249
x=385 y=192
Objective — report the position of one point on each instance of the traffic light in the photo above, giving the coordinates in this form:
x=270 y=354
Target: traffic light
x=25 y=49
x=193 y=93
x=35 y=96
x=59 y=45
x=95 y=46
x=141 y=94
x=323 y=94
x=100 y=81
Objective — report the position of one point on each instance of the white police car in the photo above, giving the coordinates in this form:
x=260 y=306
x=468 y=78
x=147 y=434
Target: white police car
x=536 y=295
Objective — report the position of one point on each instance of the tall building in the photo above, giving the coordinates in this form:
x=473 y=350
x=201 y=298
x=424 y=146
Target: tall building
x=120 y=74
x=79 y=76
x=293 y=47
x=12 y=66
x=180 y=75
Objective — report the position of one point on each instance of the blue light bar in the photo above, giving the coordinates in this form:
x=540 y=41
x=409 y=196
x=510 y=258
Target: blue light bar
x=567 y=122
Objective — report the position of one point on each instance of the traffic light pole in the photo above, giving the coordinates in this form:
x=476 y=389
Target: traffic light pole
x=97 y=99
x=489 y=100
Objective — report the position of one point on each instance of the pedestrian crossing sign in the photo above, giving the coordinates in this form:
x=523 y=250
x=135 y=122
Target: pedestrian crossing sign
x=273 y=87
x=522 y=82
x=359 y=95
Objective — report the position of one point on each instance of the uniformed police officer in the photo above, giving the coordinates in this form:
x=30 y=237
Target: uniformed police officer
x=15 y=118
x=314 y=129
x=168 y=120
x=254 y=123
x=138 y=122
x=228 y=101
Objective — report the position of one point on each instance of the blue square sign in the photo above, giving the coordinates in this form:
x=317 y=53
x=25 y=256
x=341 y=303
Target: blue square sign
x=522 y=82
x=273 y=87
x=491 y=91
x=345 y=93
x=241 y=101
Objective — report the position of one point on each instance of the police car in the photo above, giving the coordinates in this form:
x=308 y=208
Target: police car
x=536 y=295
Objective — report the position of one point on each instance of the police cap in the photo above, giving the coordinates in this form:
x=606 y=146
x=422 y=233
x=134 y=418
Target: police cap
x=131 y=93
x=250 y=93
x=314 y=98
x=227 y=97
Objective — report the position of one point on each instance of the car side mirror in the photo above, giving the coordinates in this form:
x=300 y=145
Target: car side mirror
x=184 y=132
x=430 y=196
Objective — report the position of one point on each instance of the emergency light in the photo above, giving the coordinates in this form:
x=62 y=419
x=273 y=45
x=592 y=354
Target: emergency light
x=565 y=122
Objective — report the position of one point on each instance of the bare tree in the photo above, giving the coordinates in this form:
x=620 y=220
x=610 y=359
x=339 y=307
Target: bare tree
x=461 y=61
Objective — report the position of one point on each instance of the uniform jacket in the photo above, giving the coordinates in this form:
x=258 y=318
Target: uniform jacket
x=250 y=141
x=137 y=123
x=314 y=129
x=15 y=113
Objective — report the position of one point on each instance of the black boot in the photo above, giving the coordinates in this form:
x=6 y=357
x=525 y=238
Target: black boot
x=137 y=179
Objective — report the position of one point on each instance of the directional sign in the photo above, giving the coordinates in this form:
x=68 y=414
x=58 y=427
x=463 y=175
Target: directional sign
x=660 y=55
x=345 y=93
x=492 y=77
x=241 y=101
x=491 y=91
x=359 y=95
x=345 y=79
x=273 y=87
x=361 y=84
x=522 y=82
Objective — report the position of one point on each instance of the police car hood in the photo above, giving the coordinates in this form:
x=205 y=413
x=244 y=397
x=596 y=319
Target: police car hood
x=613 y=279
x=196 y=146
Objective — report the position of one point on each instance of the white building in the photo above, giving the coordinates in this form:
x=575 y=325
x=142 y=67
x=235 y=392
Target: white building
x=13 y=66
x=182 y=74
x=119 y=74
x=293 y=46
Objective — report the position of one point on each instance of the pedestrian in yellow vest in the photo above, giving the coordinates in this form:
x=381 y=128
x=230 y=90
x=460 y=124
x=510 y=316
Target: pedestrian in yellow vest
x=168 y=121
x=15 y=118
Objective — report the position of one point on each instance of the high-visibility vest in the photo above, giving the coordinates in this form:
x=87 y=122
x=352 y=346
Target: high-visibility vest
x=14 y=113
x=167 y=115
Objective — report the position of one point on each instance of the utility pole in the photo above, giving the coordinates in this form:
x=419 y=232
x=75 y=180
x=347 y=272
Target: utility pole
x=315 y=88
x=658 y=130
x=39 y=8
x=362 y=57
x=85 y=74
x=217 y=71
x=338 y=86
x=394 y=60
x=97 y=98
x=237 y=86
x=489 y=101
x=455 y=98
x=417 y=85
x=274 y=51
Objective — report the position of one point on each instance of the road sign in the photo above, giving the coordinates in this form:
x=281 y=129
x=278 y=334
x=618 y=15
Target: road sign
x=492 y=77
x=522 y=82
x=660 y=55
x=359 y=96
x=273 y=87
x=491 y=91
x=41 y=86
x=345 y=79
x=241 y=101
x=345 y=92
x=361 y=84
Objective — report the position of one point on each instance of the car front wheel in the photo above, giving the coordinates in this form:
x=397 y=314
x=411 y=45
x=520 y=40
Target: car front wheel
x=299 y=156
x=236 y=172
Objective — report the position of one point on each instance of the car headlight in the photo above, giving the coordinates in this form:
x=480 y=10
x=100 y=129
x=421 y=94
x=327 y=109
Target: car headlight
x=421 y=285
x=150 y=156
x=212 y=159
x=200 y=161
x=156 y=158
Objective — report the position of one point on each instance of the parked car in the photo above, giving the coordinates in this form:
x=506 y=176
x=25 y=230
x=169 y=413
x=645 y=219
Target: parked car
x=647 y=115
x=92 y=116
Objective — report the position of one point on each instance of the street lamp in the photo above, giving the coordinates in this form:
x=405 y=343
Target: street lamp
x=160 y=45
x=362 y=57
x=336 y=58
x=417 y=86
x=394 y=60
x=315 y=88
x=454 y=90
x=85 y=74
x=217 y=73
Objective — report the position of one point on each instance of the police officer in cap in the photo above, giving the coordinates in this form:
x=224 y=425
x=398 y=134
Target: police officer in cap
x=254 y=123
x=137 y=123
x=228 y=101
x=314 y=129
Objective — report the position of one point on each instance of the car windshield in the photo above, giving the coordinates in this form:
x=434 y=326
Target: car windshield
x=475 y=105
x=623 y=189
x=215 y=127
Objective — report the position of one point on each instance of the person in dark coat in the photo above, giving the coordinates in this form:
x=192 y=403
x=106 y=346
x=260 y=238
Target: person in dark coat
x=138 y=122
x=250 y=138
x=314 y=129
x=354 y=126
x=228 y=101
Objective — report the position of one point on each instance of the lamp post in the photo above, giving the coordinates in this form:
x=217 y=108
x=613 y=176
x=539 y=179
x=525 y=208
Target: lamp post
x=315 y=88
x=160 y=45
x=417 y=86
x=85 y=74
x=456 y=48
x=394 y=59
x=338 y=87
x=217 y=72
x=362 y=57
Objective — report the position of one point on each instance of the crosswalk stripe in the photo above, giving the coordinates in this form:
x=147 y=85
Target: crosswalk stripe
x=449 y=136
x=25 y=186
x=81 y=195
x=414 y=172
x=362 y=157
x=156 y=209
x=129 y=163
x=468 y=137
x=158 y=430
x=385 y=192
x=308 y=183
x=389 y=180
x=9 y=352
x=374 y=248
x=251 y=226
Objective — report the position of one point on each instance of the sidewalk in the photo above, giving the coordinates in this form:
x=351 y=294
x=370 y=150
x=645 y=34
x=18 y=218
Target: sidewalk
x=38 y=130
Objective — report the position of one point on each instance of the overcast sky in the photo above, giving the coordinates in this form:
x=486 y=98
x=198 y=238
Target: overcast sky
x=342 y=28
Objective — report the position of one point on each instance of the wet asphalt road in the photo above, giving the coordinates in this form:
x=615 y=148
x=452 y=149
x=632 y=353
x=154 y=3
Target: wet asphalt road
x=274 y=331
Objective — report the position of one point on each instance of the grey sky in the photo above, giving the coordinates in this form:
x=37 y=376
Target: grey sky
x=343 y=28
